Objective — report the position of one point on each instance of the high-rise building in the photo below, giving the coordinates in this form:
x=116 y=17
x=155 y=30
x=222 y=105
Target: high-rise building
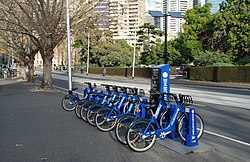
x=102 y=9
x=215 y=4
x=174 y=25
x=154 y=5
x=122 y=17
x=199 y=2
x=125 y=16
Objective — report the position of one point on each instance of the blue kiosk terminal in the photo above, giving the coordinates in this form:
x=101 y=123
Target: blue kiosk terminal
x=160 y=82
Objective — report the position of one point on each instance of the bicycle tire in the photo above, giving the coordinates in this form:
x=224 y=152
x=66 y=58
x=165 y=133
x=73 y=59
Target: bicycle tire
x=84 y=109
x=68 y=103
x=181 y=127
x=102 y=122
x=78 y=108
x=125 y=107
x=122 y=126
x=135 y=139
x=164 y=119
x=91 y=113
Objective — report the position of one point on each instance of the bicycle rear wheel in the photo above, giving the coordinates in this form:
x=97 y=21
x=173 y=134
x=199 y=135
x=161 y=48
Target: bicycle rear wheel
x=69 y=102
x=183 y=127
x=122 y=127
x=105 y=119
x=135 y=138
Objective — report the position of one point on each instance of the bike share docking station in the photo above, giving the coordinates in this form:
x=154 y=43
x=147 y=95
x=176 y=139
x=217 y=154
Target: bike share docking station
x=160 y=81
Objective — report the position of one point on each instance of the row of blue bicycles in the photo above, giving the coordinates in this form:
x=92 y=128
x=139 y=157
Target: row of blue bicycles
x=127 y=111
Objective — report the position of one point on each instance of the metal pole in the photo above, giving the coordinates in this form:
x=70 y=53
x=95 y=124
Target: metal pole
x=69 y=49
x=166 y=39
x=88 y=57
x=133 y=66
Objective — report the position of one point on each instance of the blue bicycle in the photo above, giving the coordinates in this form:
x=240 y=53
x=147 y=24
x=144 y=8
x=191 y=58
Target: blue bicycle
x=142 y=133
x=88 y=112
x=103 y=101
x=70 y=101
x=142 y=105
x=106 y=117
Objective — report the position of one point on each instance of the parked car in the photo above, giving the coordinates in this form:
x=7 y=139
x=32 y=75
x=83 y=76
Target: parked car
x=184 y=67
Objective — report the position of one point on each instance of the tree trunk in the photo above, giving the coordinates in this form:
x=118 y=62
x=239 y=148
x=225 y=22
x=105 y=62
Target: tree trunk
x=31 y=71
x=21 y=71
x=47 y=73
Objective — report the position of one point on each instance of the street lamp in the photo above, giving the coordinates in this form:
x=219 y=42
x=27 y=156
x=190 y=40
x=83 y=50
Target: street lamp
x=133 y=65
x=69 y=48
x=88 y=56
x=165 y=15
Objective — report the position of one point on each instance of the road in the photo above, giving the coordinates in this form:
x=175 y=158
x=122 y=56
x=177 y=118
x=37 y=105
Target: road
x=225 y=110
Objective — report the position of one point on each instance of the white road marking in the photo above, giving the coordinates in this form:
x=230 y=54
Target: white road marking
x=228 y=138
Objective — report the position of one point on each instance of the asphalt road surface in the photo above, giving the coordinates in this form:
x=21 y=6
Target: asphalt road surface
x=34 y=127
x=224 y=108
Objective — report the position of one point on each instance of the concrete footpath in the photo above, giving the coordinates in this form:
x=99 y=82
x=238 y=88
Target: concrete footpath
x=34 y=127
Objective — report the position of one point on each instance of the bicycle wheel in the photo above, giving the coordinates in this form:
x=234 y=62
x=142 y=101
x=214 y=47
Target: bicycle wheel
x=105 y=119
x=91 y=113
x=183 y=127
x=164 y=119
x=69 y=102
x=122 y=127
x=135 y=138
x=79 y=108
x=125 y=107
x=84 y=109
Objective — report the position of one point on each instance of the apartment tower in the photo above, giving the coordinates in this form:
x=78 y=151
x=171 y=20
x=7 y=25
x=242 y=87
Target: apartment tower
x=174 y=25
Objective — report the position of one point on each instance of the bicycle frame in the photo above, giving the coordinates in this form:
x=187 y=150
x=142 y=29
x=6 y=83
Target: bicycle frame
x=162 y=133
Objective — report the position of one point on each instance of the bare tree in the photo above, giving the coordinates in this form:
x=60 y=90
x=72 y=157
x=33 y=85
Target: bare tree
x=44 y=21
x=20 y=48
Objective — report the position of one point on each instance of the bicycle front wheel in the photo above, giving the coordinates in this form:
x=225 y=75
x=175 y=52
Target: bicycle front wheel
x=183 y=127
x=125 y=107
x=135 y=138
x=84 y=109
x=164 y=119
x=105 y=119
x=122 y=127
x=69 y=102
x=91 y=113
x=78 y=108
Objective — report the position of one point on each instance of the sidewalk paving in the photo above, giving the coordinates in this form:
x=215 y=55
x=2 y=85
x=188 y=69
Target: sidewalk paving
x=34 y=127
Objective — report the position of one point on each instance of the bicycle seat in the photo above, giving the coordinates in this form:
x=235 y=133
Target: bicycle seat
x=73 y=89
x=88 y=83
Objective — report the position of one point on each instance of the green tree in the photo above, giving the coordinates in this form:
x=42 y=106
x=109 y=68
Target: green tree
x=188 y=44
x=117 y=53
x=155 y=56
x=232 y=28
x=210 y=58
x=148 y=36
